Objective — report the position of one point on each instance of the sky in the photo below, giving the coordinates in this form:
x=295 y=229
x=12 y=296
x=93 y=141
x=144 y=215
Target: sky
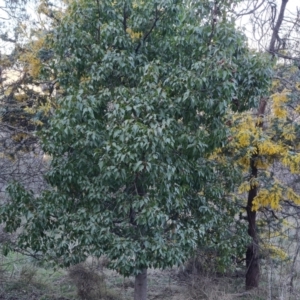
x=244 y=22
x=292 y=5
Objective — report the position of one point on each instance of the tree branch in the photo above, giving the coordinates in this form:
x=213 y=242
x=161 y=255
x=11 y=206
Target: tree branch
x=149 y=32
x=275 y=35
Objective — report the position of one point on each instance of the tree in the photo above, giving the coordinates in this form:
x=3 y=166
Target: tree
x=147 y=87
x=280 y=40
x=260 y=141
x=274 y=26
x=27 y=85
x=27 y=89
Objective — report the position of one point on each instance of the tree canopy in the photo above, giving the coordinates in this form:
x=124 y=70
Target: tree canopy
x=147 y=88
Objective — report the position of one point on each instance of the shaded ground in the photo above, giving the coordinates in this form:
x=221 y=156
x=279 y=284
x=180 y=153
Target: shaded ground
x=21 y=278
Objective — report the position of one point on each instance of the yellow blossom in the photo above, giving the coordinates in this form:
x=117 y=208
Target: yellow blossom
x=291 y=195
x=244 y=187
x=31 y=59
x=289 y=133
x=275 y=251
x=134 y=35
x=243 y=139
x=270 y=198
x=20 y=97
x=260 y=164
x=275 y=84
x=278 y=104
x=292 y=161
x=268 y=147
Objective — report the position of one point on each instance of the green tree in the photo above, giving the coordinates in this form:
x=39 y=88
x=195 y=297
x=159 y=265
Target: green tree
x=147 y=87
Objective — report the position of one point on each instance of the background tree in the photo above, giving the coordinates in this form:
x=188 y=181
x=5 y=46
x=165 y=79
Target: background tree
x=275 y=31
x=27 y=89
x=28 y=92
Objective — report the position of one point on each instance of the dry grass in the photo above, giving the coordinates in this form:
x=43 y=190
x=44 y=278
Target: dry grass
x=90 y=284
x=197 y=280
x=214 y=287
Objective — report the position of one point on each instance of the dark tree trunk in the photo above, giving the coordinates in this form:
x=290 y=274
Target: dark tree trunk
x=140 y=286
x=252 y=260
x=253 y=269
x=275 y=34
x=252 y=256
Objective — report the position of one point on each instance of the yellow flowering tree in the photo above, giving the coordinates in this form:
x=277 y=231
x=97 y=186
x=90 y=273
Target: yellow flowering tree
x=27 y=86
x=27 y=81
x=260 y=142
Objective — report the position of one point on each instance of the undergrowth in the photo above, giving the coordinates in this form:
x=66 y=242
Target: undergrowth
x=21 y=278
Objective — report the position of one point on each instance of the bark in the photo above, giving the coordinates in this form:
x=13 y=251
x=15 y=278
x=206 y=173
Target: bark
x=275 y=35
x=140 y=286
x=252 y=253
x=252 y=258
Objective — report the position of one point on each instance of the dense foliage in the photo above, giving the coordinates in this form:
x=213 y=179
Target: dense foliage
x=147 y=90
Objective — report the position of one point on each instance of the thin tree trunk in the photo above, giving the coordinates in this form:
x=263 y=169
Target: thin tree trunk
x=252 y=258
x=275 y=35
x=140 y=286
x=252 y=255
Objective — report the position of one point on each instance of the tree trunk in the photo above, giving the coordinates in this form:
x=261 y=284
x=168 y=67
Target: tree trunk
x=252 y=260
x=275 y=35
x=140 y=286
x=252 y=257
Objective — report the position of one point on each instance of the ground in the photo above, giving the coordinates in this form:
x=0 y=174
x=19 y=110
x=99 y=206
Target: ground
x=22 y=278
